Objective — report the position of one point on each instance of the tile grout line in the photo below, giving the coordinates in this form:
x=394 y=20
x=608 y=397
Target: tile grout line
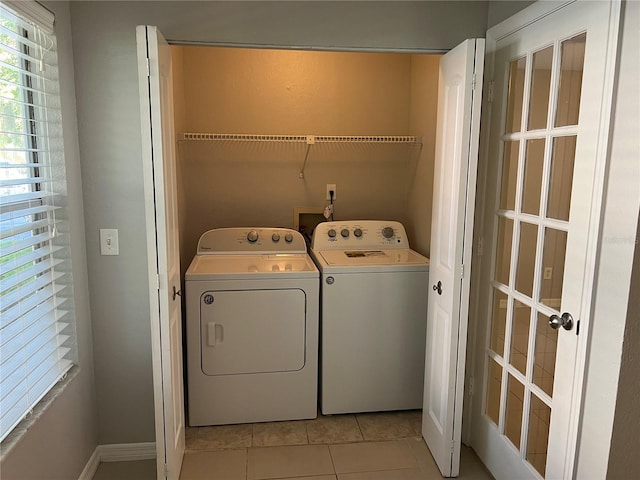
x=333 y=465
x=246 y=463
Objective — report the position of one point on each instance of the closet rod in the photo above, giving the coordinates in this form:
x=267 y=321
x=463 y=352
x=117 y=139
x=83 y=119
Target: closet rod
x=308 y=139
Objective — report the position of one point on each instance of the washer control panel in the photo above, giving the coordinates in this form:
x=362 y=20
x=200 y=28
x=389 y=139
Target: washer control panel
x=264 y=240
x=359 y=234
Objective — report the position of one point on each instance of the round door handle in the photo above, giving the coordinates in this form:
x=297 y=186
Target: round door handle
x=565 y=321
x=438 y=287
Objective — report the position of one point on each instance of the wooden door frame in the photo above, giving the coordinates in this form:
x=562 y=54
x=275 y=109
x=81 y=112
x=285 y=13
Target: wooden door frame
x=484 y=200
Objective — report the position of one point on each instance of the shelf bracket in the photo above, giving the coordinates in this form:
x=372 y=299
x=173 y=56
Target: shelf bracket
x=311 y=140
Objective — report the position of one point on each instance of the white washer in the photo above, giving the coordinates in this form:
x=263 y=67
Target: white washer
x=252 y=327
x=374 y=292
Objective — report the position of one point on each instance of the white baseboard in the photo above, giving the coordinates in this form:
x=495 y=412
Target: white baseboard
x=91 y=467
x=119 y=452
x=127 y=452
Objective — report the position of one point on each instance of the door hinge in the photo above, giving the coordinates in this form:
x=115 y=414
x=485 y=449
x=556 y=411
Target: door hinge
x=462 y=271
x=480 y=247
x=166 y=471
x=148 y=68
x=473 y=82
x=490 y=91
x=471 y=386
x=453 y=446
x=157 y=281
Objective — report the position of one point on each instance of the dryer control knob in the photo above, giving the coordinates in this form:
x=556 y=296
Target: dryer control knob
x=387 y=232
x=252 y=236
x=358 y=232
x=344 y=232
x=331 y=233
x=288 y=238
x=275 y=237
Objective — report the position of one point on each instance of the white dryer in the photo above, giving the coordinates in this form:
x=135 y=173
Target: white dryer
x=373 y=317
x=252 y=327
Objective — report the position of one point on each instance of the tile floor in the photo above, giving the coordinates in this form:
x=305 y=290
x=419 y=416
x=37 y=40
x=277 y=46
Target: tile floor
x=378 y=446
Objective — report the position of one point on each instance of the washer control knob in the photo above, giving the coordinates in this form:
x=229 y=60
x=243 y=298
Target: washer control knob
x=275 y=237
x=252 y=236
x=331 y=233
x=358 y=232
x=344 y=232
x=288 y=238
x=387 y=232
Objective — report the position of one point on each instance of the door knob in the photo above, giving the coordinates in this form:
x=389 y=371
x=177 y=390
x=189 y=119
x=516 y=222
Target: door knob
x=565 y=321
x=438 y=287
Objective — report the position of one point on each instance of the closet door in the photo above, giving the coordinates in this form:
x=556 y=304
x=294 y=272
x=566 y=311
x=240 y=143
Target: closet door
x=159 y=163
x=457 y=136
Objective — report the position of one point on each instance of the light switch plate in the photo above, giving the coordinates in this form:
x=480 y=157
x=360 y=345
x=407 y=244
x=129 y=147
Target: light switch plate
x=109 y=241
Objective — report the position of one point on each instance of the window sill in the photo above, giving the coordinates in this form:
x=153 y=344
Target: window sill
x=39 y=410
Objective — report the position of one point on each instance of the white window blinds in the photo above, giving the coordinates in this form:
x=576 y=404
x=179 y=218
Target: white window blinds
x=37 y=344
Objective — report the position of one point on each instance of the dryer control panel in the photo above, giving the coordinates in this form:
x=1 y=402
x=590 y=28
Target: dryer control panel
x=359 y=234
x=247 y=240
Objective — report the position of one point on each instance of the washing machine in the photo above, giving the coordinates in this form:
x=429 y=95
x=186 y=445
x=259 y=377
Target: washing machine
x=374 y=291
x=252 y=299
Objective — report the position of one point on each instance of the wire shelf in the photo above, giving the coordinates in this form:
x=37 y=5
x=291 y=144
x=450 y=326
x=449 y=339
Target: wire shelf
x=308 y=139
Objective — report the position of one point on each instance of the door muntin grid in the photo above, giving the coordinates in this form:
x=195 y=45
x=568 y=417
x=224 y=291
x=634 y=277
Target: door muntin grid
x=533 y=210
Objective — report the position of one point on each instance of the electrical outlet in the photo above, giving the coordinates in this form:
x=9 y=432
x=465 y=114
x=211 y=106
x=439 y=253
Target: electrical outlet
x=331 y=187
x=548 y=272
x=109 y=241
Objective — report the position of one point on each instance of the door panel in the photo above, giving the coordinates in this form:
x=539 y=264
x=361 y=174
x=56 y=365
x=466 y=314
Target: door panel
x=159 y=162
x=252 y=331
x=452 y=227
x=546 y=72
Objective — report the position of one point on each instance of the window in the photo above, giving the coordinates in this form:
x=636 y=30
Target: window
x=37 y=339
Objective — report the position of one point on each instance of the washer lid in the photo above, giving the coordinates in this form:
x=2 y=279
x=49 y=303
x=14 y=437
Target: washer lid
x=205 y=267
x=373 y=258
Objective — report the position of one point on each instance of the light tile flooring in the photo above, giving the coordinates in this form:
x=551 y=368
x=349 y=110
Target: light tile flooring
x=378 y=446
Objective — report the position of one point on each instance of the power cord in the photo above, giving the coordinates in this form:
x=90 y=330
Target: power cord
x=331 y=202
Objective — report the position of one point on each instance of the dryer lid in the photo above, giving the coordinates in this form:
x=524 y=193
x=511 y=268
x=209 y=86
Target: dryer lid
x=217 y=266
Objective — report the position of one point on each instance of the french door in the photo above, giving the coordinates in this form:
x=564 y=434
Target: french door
x=543 y=194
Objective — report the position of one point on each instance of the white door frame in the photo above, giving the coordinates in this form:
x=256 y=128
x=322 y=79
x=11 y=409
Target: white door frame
x=518 y=21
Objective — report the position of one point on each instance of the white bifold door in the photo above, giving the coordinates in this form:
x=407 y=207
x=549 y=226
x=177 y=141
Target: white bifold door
x=163 y=252
x=457 y=137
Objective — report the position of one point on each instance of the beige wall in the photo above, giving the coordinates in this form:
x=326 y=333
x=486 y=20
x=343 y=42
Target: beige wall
x=259 y=91
x=423 y=113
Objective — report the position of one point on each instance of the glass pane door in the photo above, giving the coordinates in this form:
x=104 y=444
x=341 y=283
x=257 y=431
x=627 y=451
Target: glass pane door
x=531 y=228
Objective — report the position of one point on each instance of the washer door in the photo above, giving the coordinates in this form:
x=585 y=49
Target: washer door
x=252 y=331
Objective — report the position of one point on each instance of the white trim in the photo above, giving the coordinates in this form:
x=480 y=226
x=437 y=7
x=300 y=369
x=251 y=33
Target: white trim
x=127 y=452
x=594 y=242
x=33 y=12
x=91 y=467
x=117 y=452
x=524 y=18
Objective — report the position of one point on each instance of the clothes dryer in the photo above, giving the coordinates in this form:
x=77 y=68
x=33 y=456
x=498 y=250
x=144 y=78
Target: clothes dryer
x=252 y=327
x=374 y=291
